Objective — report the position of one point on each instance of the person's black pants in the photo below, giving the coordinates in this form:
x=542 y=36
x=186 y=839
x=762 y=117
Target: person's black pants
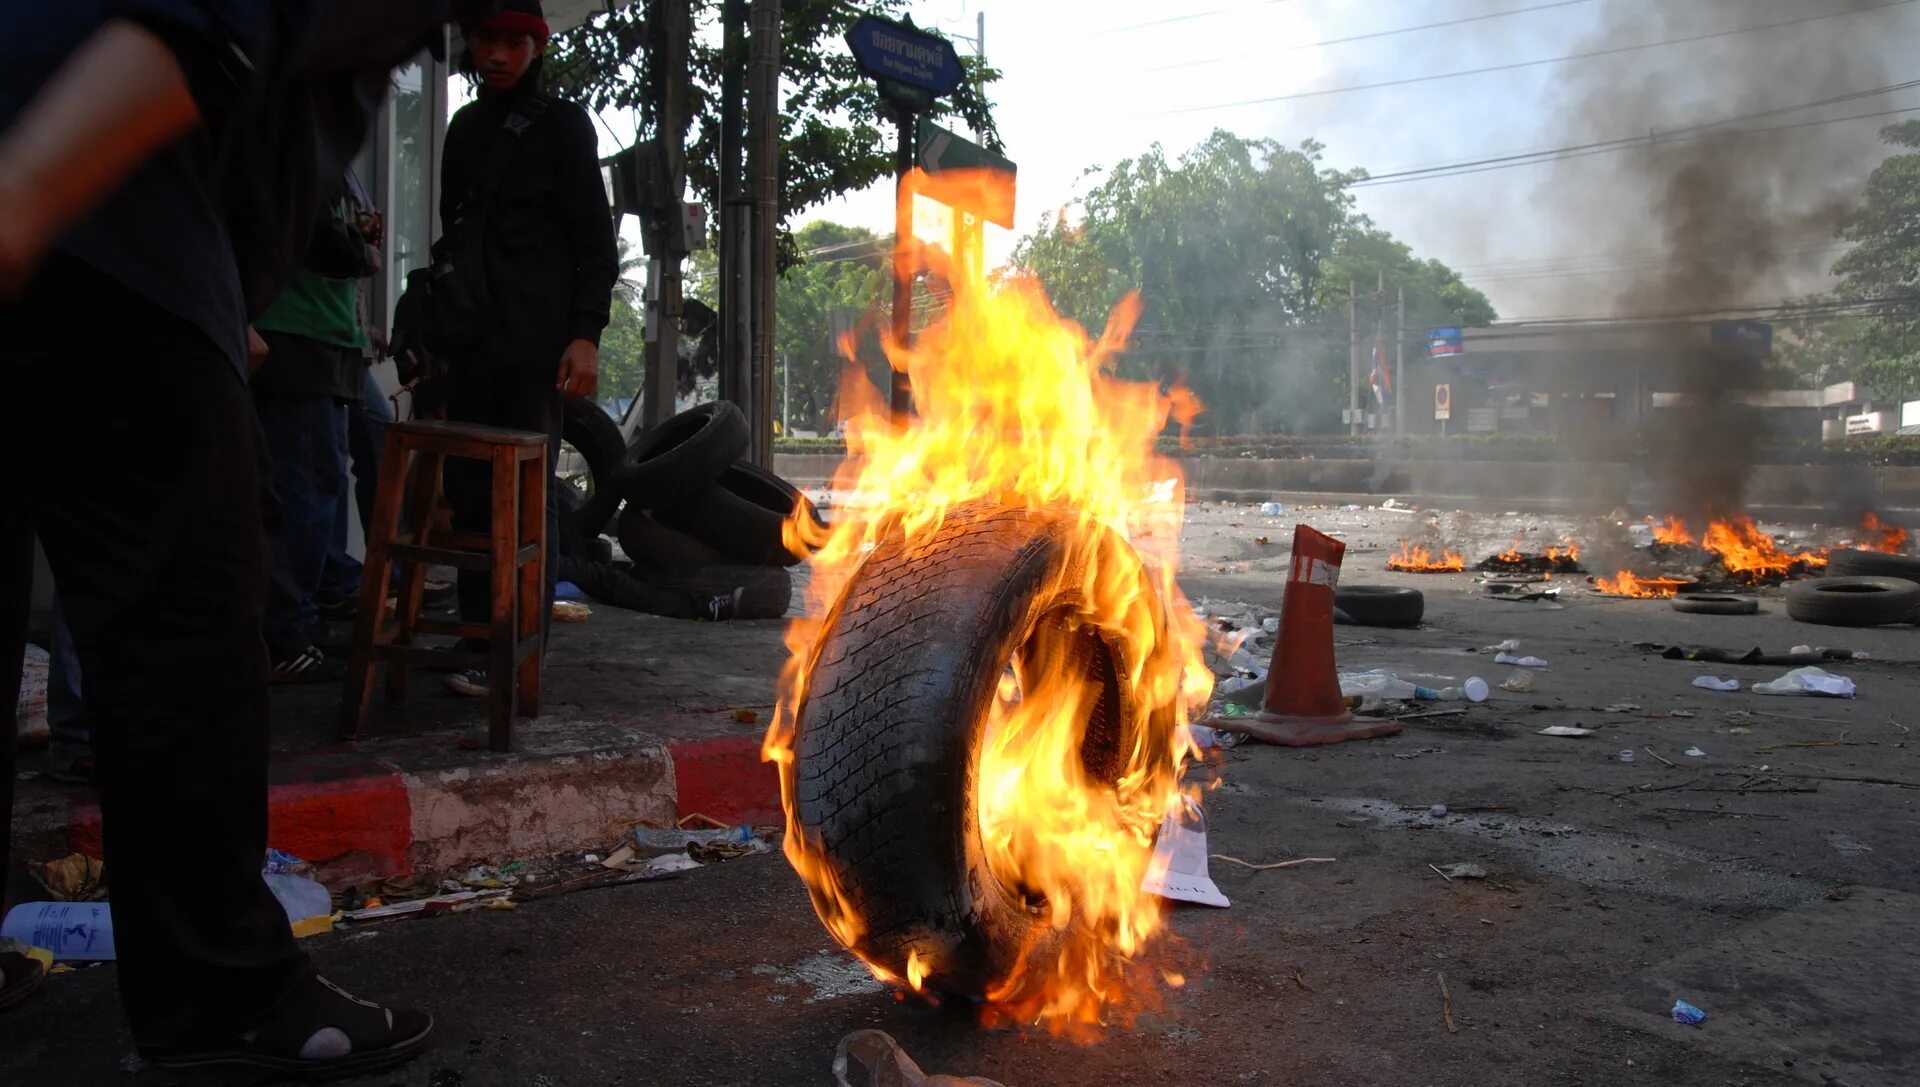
x=135 y=462
x=520 y=397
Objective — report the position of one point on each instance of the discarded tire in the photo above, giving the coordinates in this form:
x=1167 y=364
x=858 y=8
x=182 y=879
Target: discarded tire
x=740 y=515
x=596 y=437
x=652 y=545
x=888 y=735
x=681 y=457
x=1715 y=604
x=1854 y=601
x=1380 y=605
x=1852 y=562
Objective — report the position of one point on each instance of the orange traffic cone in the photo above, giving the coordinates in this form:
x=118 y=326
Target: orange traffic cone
x=1303 y=705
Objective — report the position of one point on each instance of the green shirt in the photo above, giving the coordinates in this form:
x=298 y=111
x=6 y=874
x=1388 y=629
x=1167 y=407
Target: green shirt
x=327 y=310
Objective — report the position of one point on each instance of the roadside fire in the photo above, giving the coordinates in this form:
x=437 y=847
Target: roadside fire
x=1627 y=584
x=1554 y=560
x=1877 y=535
x=1751 y=556
x=1419 y=559
x=1012 y=874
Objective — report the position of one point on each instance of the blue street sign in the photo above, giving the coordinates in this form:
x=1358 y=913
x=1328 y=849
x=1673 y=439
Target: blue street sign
x=1446 y=341
x=890 y=50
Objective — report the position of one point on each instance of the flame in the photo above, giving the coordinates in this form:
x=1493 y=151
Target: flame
x=1018 y=408
x=1672 y=532
x=1626 y=584
x=1749 y=553
x=1420 y=560
x=1877 y=535
x=1512 y=554
x=1571 y=552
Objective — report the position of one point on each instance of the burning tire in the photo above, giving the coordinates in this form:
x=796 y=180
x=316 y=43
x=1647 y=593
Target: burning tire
x=1852 y=562
x=1715 y=604
x=907 y=676
x=1854 y=601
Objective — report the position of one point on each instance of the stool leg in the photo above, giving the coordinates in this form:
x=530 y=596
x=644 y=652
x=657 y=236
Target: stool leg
x=422 y=491
x=373 y=585
x=504 y=532
x=532 y=577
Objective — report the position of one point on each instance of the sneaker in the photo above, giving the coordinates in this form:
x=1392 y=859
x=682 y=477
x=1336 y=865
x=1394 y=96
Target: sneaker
x=725 y=606
x=75 y=770
x=342 y=610
x=310 y=665
x=472 y=682
x=326 y=637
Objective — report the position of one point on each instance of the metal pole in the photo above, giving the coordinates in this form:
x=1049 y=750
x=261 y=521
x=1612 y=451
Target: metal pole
x=763 y=175
x=675 y=22
x=727 y=193
x=1353 y=359
x=786 y=396
x=902 y=393
x=1400 y=367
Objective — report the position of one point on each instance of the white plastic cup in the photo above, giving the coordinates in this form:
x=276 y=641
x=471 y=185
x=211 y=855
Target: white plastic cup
x=1476 y=689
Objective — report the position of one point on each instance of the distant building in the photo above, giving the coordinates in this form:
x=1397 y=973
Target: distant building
x=1612 y=376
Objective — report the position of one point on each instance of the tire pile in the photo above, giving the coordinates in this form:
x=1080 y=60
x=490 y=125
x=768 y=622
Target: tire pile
x=691 y=515
x=1860 y=589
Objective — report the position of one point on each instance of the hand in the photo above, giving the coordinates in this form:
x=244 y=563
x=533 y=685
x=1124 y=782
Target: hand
x=579 y=369
x=373 y=227
x=256 y=350
x=378 y=340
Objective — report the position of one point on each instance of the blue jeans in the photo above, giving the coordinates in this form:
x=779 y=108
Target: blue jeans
x=66 y=714
x=367 y=424
x=307 y=446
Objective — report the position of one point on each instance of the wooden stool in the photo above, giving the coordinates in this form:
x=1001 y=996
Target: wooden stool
x=513 y=552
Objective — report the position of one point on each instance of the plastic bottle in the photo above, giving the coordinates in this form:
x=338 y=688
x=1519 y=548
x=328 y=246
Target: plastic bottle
x=1473 y=690
x=71 y=930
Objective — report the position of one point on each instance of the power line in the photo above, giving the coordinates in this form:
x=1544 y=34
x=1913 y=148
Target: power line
x=1576 y=151
x=1591 y=54
x=1188 y=17
x=1365 y=37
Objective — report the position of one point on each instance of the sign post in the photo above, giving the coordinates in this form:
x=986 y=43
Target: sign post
x=1443 y=405
x=913 y=68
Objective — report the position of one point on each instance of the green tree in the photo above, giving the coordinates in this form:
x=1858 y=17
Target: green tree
x=832 y=138
x=839 y=288
x=1242 y=251
x=1882 y=272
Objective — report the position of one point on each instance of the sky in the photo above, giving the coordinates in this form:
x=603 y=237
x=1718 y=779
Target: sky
x=1089 y=82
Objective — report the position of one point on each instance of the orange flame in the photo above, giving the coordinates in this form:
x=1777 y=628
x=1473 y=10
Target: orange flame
x=1673 y=531
x=1018 y=408
x=1877 y=535
x=1420 y=560
x=1570 y=553
x=1748 y=552
x=1626 y=584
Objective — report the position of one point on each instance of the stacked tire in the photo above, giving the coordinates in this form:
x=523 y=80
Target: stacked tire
x=693 y=516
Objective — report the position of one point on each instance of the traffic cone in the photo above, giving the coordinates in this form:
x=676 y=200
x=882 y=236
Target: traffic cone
x=1178 y=869
x=1303 y=705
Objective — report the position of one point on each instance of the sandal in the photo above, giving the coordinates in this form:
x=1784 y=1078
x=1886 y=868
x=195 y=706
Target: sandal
x=319 y=1032
x=19 y=977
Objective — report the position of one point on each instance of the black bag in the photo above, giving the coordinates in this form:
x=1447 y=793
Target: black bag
x=442 y=311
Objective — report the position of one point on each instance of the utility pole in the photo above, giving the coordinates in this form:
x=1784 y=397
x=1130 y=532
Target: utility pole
x=763 y=177
x=1353 y=359
x=1377 y=357
x=672 y=24
x=901 y=397
x=1400 y=366
x=736 y=318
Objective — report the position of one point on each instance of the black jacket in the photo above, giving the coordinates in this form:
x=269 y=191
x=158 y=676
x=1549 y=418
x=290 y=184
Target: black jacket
x=550 y=255
x=209 y=228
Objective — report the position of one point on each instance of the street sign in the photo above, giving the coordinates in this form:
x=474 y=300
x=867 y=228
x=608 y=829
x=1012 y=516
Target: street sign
x=887 y=50
x=1443 y=401
x=938 y=150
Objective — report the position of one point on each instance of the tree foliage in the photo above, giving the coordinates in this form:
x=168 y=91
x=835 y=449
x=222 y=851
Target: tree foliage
x=1242 y=251
x=832 y=138
x=1884 y=267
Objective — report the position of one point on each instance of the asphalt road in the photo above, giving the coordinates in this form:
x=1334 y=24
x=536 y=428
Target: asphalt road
x=1769 y=885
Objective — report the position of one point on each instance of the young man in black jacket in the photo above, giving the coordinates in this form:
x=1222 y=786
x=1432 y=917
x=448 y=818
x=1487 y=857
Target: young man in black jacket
x=527 y=168
x=161 y=167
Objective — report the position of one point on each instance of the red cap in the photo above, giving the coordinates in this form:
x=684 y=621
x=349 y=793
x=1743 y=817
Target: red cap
x=517 y=22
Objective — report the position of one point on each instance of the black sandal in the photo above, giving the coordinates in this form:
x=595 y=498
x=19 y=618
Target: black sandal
x=378 y=1038
x=23 y=976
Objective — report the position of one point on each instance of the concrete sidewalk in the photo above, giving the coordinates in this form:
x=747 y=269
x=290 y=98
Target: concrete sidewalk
x=644 y=718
